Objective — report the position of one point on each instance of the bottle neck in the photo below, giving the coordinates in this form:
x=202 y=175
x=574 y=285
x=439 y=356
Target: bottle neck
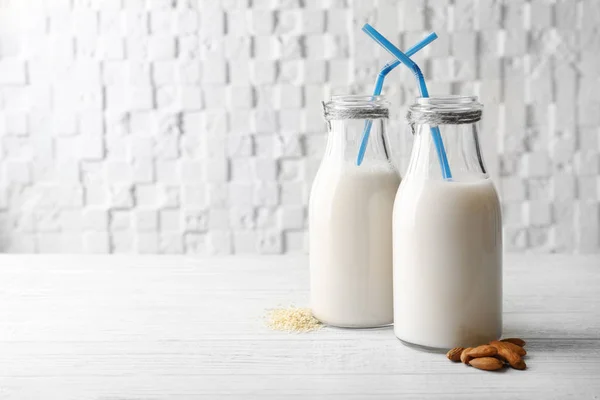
x=456 y=119
x=345 y=137
x=463 y=152
x=349 y=117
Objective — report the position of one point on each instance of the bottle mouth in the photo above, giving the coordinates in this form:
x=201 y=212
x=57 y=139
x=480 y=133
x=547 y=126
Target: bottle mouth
x=445 y=110
x=447 y=103
x=357 y=99
x=356 y=107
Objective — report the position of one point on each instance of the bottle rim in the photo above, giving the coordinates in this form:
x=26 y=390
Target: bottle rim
x=448 y=103
x=439 y=110
x=357 y=98
x=356 y=107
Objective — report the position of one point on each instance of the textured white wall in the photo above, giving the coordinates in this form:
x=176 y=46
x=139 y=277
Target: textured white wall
x=195 y=126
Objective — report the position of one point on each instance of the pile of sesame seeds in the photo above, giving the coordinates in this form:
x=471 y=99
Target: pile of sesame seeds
x=292 y=319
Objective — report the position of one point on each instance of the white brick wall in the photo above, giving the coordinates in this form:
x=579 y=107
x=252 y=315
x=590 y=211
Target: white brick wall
x=169 y=126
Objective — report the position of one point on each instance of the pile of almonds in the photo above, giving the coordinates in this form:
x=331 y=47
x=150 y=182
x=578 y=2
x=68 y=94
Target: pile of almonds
x=492 y=356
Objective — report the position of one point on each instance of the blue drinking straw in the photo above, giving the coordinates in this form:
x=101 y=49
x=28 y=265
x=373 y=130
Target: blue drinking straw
x=387 y=68
x=435 y=131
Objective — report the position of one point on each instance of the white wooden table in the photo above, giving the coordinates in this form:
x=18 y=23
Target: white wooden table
x=161 y=327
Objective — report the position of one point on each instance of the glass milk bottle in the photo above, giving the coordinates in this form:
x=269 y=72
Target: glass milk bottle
x=350 y=219
x=447 y=234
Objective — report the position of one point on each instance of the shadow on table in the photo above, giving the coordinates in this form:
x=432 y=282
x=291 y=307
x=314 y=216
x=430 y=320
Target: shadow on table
x=551 y=338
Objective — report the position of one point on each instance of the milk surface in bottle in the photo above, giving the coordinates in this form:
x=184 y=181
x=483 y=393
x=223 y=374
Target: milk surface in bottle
x=350 y=219
x=447 y=235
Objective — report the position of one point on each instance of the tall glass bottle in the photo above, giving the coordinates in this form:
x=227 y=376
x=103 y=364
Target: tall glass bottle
x=350 y=218
x=447 y=234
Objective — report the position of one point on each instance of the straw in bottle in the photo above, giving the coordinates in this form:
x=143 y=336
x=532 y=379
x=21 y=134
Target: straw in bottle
x=387 y=68
x=403 y=58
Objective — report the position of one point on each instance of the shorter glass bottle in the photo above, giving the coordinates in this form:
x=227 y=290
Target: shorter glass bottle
x=350 y=219
x=447 y=234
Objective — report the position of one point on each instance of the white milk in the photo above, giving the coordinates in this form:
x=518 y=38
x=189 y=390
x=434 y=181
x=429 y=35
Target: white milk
x=447 y=263
x=350 y=218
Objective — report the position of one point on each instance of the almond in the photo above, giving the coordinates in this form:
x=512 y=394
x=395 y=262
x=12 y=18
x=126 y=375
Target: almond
x=464 y=357
x=517 y=341
x=487 y=363
x=517 y=349
x=454 y=354
x=519 y=364
x=507 y=354
x=483 y=351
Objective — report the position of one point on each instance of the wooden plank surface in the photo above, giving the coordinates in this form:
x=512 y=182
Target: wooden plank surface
x=162 y=327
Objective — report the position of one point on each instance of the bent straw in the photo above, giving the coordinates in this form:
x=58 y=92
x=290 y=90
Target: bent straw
x=435 y=131
x=387 y=68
